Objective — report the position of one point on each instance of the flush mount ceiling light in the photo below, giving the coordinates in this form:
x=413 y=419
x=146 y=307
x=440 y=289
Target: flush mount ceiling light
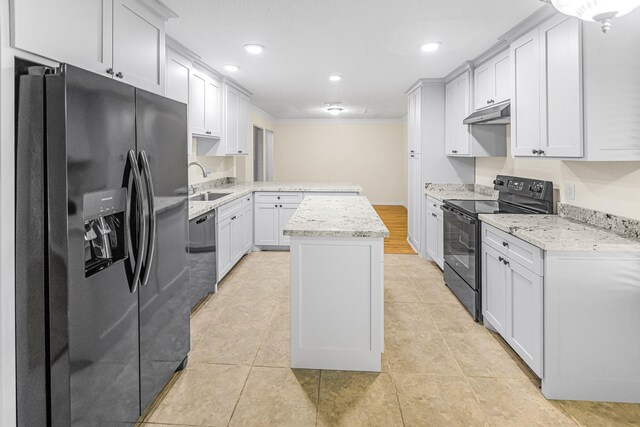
x=231 y=68
x=334 y=108
x=602 y=11
x=430 y=47
x=335 y=77
x=254 y=48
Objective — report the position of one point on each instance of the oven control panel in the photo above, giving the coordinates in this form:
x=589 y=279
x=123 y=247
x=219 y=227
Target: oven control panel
x=526 y=187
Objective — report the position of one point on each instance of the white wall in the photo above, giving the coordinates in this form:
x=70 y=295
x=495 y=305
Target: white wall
x=612 y=187
x=372 y=153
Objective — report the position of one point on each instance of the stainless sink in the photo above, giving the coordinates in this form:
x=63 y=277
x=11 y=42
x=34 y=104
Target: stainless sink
x=207 y=197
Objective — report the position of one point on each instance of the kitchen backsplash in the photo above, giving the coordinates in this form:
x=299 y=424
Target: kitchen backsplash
x=220 y=167
x=618 y=224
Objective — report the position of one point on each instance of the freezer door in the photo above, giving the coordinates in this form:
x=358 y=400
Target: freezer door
x=161 y=126
x=93 y=319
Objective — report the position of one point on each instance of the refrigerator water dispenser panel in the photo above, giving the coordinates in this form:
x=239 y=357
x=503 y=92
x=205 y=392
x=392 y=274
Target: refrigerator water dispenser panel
x=104 y=229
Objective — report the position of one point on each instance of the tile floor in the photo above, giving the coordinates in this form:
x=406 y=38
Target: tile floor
x=439 y=368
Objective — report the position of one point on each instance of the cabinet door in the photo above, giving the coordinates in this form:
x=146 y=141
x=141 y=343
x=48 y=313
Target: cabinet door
x=462 y=110
x=243 y=125
x=286 y=212
x=450 y=117
x=247 y=229
x=494 y=288
x=561 y=91
x=138 y=46
x=482 y=86
x=525 y=94
x=232 y=100
x=414 y=202
x=413 y=117
x=177 y=74
x=266 y=224
x=432 y=235
x=237 y=237
x=75 y=31
x=501 y=78
x=212 y=108
x=440 y=253
x=224 y=238
x=524 y=315
x=197 y=89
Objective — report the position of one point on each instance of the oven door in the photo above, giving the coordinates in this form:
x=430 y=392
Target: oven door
x=460 y=244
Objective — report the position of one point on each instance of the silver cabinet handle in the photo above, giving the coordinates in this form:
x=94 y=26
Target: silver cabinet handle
x=144 y=160
x=119 y=74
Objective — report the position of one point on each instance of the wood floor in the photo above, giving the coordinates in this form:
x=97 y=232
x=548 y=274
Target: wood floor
x=395 y=218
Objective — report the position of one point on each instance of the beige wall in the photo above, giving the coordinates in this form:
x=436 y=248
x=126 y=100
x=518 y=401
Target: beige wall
x=612 y=187
x=370 y=153
x=244 y=164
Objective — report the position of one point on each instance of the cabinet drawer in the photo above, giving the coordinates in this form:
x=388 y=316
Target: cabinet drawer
x=228 y=209
x=278 y=197
x=517 y=250
x=434 y=204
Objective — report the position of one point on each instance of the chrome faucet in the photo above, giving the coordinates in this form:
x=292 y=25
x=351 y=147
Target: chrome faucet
x=205 y=173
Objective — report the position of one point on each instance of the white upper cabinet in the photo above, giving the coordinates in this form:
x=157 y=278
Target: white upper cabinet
x=138 y=45
x=463 y=140
x=413 y=122
x=121 y=39
x=525 y=95
x=236 y=121
x=204 y=105
x=78 y=32
x=458 y=107
x=546 y=112
x=178 y=74
x=491 y=81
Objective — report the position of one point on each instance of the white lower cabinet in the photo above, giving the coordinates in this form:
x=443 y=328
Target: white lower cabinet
x=415 y=196
x=234 y=231
x=272 y=212
x=435 y=231
x=512 y=295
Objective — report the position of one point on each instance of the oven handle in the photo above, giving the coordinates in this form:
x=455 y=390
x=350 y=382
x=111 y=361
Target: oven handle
x=462 y=217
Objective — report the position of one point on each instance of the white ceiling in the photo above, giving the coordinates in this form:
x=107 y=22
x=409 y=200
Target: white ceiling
x=374 y=44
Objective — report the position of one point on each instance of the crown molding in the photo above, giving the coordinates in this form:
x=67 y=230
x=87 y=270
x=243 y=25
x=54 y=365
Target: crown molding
x=175 y=45
x=159 y=8
x=337 y=121
x=206 y=67
x=529 y=23
x=422 y=82
x=466 y=66
x=235 y=84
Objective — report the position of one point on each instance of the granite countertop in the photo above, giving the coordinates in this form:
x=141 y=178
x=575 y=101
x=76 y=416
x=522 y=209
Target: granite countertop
x=338 y=216
x=460 y=192
x=236 y=191
x=556 y=233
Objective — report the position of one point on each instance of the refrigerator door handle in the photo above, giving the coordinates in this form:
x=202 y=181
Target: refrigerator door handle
x=144 y=160
x=142 y=235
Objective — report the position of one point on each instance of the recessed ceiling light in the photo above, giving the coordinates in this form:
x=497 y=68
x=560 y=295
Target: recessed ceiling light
x=254 y=48
x=430 y=47
x=335 y=77
x=231 y=68
x=334 y=108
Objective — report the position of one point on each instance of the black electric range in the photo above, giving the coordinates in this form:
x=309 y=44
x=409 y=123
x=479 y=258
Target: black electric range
x=462 y=254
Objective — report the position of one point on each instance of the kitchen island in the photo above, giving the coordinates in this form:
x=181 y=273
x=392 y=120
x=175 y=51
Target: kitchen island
x=337 y=278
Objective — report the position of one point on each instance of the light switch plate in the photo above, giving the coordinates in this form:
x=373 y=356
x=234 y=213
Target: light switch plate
x=570 y=191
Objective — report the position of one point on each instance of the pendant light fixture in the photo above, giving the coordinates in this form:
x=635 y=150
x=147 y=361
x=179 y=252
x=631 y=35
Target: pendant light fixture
x=602 y=11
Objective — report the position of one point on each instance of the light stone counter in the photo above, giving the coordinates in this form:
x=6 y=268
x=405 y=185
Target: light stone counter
x=555 y=233
x=236 y=191
x=460 y=192
x=342 y=216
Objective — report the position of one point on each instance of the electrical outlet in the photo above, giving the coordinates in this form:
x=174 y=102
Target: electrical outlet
x=570 y=191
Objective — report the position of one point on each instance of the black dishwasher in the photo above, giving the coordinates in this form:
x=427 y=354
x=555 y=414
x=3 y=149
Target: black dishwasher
x=202 y=257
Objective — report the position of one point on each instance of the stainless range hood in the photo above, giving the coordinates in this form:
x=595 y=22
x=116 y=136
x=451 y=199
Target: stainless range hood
x=498 y=115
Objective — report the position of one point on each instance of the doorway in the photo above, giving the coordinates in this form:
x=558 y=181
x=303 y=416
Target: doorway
x=262 y=154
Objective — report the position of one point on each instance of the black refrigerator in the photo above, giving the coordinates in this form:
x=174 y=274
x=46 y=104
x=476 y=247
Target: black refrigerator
x=102 y=316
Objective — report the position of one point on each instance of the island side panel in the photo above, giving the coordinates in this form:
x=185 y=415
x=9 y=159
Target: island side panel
x=591 y=326
x=337 y=303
